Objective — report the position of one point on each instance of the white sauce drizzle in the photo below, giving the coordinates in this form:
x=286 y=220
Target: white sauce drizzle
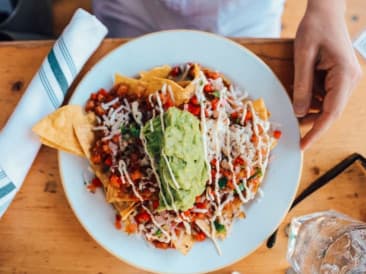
x=170 y=170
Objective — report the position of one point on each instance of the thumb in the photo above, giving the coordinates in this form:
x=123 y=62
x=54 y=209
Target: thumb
x=303 y=82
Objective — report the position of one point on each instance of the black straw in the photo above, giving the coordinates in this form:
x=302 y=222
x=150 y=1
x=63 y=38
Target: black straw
x=320 y=182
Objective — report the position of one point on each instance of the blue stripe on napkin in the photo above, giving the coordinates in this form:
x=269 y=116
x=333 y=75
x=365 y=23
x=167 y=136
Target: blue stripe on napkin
x=65 y=52
x=5 y=190
x=57 y=71
x=48 y=88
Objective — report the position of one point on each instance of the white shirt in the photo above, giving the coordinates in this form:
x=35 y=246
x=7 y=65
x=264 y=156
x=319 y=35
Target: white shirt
x=247 y=18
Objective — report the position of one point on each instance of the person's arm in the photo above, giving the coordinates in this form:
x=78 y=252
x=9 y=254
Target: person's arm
x=323 y=43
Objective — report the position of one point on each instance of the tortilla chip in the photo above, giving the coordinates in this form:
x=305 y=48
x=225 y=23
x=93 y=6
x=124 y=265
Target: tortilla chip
x=204 y=225
x=56 y=130
x=124 y=209
x=190 y=89
x=260 y=109
x=184 y=83
x=85 y=136
x=136 y=87
x=274 y=143
x=151 y=83
x=160 y=72
x=184 y=243
x=55 y=146
x=114 y=195
x=181 y=95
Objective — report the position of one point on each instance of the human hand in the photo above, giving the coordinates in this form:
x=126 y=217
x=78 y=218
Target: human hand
x=323 y=43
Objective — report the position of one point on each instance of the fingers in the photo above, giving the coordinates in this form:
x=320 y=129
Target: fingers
x=305 y=59
x=334 y=103
x=309 y=119
x=320 y=125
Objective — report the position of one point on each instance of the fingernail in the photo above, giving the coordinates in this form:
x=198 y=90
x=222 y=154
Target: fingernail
x=300 y=109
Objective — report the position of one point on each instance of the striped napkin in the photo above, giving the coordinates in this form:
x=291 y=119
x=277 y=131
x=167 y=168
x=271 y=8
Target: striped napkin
x=45 y=93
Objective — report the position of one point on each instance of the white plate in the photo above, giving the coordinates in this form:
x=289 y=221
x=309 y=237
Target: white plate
x=279 y=186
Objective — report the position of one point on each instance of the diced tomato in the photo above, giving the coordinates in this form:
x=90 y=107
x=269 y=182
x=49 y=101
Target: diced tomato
x=277 y=134
x=201 y=205
x=142 y=217
x=175 y=71
x=117 y=225
x=227 y=173
x=93 y=96
x=254 y=138
x=161 y=245
x=177 y=231
x=194 y=100
x=131 y=228
x=195 y=110
x=213 y=174
x=248 y=116
x=117 y=222
x=115 y=181
x=103 y=92
x=212 y=75
x=234 y=115
x=187 y=213
x=208 y=88
x=199 y=237
x=213 y=162
x=200 y=216
x=239 y=161
x=90 y=105
x=155 y=204
x=99 y=110
x=96 y=182
x=214 y=103
x=136 y=175
x=168 y=103
x=96 y=158
x=108 y=161
x=115 y=139
x=106 y=148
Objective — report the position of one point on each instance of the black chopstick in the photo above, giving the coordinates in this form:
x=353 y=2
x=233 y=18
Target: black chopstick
x=320 y=182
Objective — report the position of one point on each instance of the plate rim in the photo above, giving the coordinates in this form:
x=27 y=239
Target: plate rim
x=234 y=43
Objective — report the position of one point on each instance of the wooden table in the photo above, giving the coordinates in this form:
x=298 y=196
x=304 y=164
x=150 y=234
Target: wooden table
x=40 y=234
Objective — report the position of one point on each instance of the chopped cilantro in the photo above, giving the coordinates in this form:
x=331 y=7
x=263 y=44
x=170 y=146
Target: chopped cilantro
x=220 y=228
x=201 y=82
x=158 y=233
x=124 y=130
x=222 y=182
x=134 y=131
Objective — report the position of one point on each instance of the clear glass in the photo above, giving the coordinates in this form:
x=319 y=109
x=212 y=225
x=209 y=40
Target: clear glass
x=328 y=243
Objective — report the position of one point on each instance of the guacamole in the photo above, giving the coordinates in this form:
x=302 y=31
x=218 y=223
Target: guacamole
x=179 y=157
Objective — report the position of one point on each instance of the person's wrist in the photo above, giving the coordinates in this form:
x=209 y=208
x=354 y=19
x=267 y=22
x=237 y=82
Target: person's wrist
x=327 y=6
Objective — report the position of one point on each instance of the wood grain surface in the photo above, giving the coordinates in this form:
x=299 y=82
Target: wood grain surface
x=40 y=234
